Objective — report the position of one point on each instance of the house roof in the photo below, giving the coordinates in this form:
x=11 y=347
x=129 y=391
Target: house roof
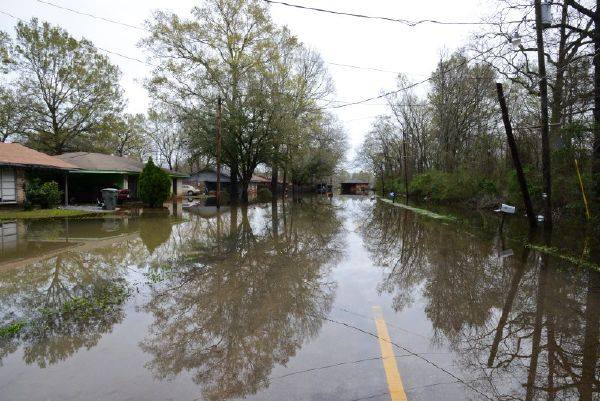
x=15 y=154
x=100 y=162
x=355 y=182
x=210 y=175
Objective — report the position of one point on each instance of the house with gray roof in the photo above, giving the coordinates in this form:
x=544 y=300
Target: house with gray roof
x=206 y=181
x=94 y=171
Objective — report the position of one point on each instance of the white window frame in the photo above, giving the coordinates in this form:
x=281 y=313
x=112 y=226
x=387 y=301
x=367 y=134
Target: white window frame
x=7 y=170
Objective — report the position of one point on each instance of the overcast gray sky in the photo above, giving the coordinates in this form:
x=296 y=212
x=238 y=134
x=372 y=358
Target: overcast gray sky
x=339 y=39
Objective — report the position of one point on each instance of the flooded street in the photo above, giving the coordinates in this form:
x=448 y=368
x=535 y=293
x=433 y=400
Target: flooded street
x=350 y=300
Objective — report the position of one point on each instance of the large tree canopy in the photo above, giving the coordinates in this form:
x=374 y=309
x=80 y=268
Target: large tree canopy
x=268 y=81
x=71 y=89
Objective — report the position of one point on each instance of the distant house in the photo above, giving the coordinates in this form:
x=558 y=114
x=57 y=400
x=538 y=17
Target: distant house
x=206 y=181
x=18 y=164
x=94 y=171
x=354 y=187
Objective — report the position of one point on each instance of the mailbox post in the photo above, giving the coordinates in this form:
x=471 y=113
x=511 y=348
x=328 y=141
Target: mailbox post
x=504 y=210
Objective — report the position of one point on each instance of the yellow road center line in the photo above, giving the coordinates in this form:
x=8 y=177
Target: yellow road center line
x=392 y=373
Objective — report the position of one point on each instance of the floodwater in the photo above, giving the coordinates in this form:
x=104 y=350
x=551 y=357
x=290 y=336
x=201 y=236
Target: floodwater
x=287 y=302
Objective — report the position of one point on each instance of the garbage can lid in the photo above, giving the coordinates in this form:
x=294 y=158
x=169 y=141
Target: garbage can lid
x=109 y=190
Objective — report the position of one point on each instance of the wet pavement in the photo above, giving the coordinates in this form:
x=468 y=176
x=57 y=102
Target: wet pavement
x=349 y=300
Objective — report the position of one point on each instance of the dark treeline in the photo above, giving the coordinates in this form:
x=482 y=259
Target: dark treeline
x=452 y=133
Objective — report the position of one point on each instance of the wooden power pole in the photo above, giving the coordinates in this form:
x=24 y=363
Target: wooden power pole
x=219 y=153
x=543 y=82
x=405 y=164
x=512 y=144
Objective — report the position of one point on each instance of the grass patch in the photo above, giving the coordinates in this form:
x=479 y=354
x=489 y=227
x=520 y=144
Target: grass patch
x=11 y=330
x=553 y=251
x=103 y=301
x=422 y=212
x=44 y=214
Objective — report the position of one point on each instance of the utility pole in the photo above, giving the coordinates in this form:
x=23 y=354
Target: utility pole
x=405 y=170
x=546 y=172
x=219 y=152
x=512 y=144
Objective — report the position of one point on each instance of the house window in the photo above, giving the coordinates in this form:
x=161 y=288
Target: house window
x=8 y=186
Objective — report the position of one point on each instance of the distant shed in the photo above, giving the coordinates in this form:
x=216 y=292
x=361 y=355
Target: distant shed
x=355 y=187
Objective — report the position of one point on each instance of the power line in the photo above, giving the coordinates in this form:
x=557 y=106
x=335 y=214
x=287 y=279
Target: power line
x=94 y=16
x=91 y=45
x=364 y=68
x=358 y=102
x=386 y=94
x=388 y=19
x=124 y=24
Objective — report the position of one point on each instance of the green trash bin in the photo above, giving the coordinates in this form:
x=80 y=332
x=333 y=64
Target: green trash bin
x=109 y=197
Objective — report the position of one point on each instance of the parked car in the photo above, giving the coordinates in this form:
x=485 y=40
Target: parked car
x=123 y=195
x=190 y=190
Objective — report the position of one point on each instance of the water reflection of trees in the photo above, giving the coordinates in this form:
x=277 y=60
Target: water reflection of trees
x=528 y=323
x=49 y=284
x=244 y=296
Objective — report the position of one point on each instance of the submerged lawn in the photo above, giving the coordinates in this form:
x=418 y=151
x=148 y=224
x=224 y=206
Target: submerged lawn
x=43 y=213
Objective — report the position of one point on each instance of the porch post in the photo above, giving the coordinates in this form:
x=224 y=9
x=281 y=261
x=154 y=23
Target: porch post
x=67 y=188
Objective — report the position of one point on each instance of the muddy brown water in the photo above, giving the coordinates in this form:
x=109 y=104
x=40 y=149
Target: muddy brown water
x=275 y=302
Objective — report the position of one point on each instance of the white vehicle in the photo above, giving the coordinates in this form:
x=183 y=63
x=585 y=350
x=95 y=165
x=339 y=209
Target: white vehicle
x=190 y=190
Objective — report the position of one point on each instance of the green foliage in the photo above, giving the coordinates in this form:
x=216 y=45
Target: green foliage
x=274 y=82
x=71 y=90
x=154 y=185
x=46 y=195
x=534 y=184
x=13 y=113
x=47 y=214
x=458 y=186
x=264 y=195
x=104 y=299
x=11 y=330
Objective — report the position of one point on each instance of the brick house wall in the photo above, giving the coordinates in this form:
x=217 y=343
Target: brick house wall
x=21 y=182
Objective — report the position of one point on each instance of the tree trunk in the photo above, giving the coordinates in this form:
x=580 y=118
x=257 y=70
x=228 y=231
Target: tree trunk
x=596 y=143
x=274 y=181
x=234 y=188
x=284 y=181
x=546 y=172
x=558 y=88
x=245 y=183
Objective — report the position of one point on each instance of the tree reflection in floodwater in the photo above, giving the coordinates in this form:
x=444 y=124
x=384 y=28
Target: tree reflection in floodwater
x=37 y=293
x=528 y=322
x=244 y=296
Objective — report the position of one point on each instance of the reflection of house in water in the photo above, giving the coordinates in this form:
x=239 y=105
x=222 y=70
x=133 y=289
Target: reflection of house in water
x=24 y=242
x=8 y=236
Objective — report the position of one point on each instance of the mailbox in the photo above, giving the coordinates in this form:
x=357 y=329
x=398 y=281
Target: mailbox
x=507 y=209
